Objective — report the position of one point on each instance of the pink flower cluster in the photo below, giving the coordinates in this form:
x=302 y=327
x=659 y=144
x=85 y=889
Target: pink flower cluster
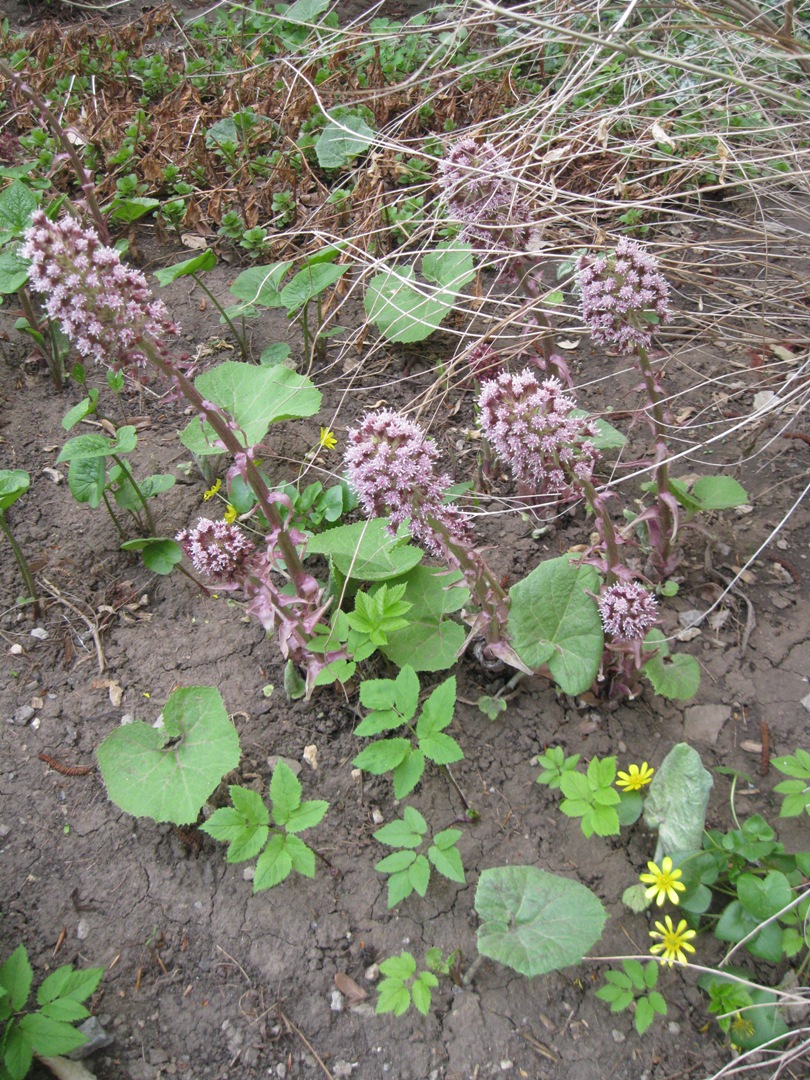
x=483 y=361
x=390 y=463
x=105 y=308
x=478 y=189
x=618 y=291
x=628 y=610
x=218 y=550
x=530 y=427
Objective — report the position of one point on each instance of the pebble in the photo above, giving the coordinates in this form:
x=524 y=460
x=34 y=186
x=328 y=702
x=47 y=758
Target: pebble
x=97 y=1039
x=249 y=873
x=673 y=1027
x=618 y=1036
x=806 y=702
x=690 y=618
x=23 y=715
x=506 y=1065
x=16 y=650
x=372 y=973
x=342 y=1069
x=39 y=633
x=377 y=816
x=82 y=929
x=336 y=1002
x=281 y=1070
x=4 y=831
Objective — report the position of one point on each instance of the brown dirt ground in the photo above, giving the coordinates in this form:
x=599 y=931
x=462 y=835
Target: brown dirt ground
x=207 y=981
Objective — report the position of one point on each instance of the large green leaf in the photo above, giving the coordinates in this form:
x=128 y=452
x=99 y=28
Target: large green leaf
x=341 y=141
x=17 y=204
x=255 y=397
x=535 y=922
x=167 y=773
x=676 y=801
x=676 y=677
x=554 y=620
x=430 y=641
x=366 y=551
x=16 y=975
x=13 y=272
x=13 y=484
x=405 y=309
x=309 y=283
x=261 y=284
x=719 y=492
x=206 y=260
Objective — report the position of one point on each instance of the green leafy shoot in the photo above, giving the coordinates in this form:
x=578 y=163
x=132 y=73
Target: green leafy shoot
x=375 y=617
x=246 y=828
x=796 y=791
x=402 y=985
x=555 y=763
x=592 y=797
x=634 y=988
x=393 y=703
x=47 y=1031
x=409 y=869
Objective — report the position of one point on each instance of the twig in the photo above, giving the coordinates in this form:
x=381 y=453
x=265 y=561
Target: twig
x=285 y=1019
x=92 y=627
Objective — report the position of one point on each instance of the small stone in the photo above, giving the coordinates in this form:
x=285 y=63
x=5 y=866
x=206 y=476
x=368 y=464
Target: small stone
x=36 y=723
x=377 y=816
x=23 y=715
x=703 y=723
x=690 y=634
x=37 y=703
x=673 y=1027
x=281 y=1070
x=357 y=775
x=618 y=1036
x=372 y=973
x=690 y=618
x=336 y=1002
x=82 y=929
x=506 y=1065
x=4 y=831
x=311 y=756
x=249 y=873
x=274 y=759
x=16 y=650
x=342 y=1069
x=97 y=1039
x=39 y=633
x=806 y=702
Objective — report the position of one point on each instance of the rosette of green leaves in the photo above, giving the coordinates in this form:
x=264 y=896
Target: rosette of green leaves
x=408 y=867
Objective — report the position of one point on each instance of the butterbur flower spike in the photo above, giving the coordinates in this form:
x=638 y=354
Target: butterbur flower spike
x=618 y=292
x=479 y=190
x=628 y=610
x=219 y=550
x=529 y=425
x=105 y=308
x=391 y=464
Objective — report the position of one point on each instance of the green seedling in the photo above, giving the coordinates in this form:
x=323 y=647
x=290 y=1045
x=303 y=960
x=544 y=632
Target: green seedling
x=48 y=1030
x=245 y=828
x=13 y=485
x=408 y=868
x=592 y=797
x=393 y=703
x=555 y=763
x=634 y=988
x=796 y=790
x=402 y=986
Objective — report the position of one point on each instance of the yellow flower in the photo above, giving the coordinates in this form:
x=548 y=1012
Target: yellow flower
x=674 y=943
x=230 y=514
x=663 y=882
x=635 y=778
x=327 y=439
x=212 y=490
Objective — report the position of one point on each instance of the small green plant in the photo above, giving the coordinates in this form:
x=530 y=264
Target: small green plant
x=48 y=1030
x=555 y=763
x=796 y=790
x=13 y=485
x=747 y=1013
x=408 y=868
x=92 y=481
x=393 y=703
x=402 y=986
x=592 y=797
x=634 y=988
x=245 y=828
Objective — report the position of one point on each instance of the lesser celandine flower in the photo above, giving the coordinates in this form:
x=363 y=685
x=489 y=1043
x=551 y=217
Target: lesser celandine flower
x=230 y=514
x=628 y=610
x=663 y=882
x=327 y=439
x=211 y=492
x=635 y=778
x=674 y=943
